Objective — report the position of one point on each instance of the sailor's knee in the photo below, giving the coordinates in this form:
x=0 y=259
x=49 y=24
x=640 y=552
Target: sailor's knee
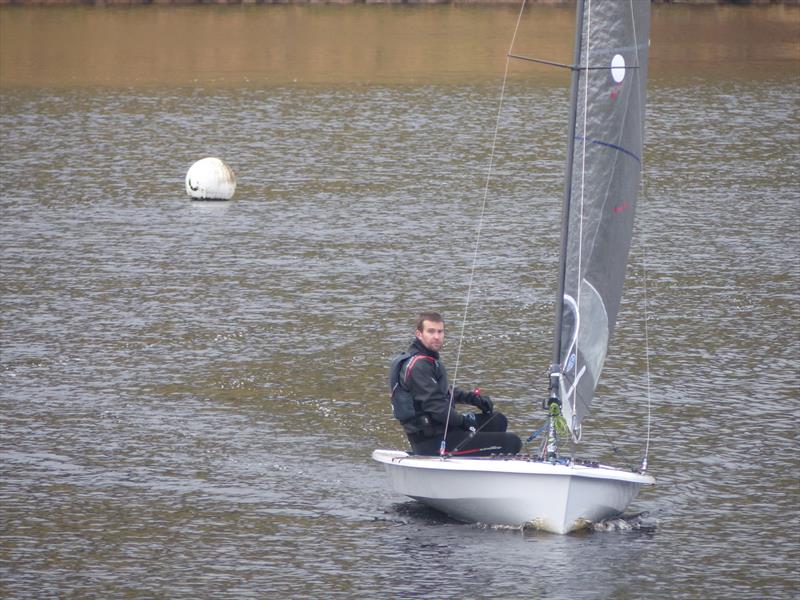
x=513 y=444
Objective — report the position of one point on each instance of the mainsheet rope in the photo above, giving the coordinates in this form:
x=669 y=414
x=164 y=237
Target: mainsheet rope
x=480 y=224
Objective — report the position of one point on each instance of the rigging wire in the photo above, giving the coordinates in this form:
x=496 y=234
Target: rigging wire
x=644 y=265
x=480 y=221
x=645 y=318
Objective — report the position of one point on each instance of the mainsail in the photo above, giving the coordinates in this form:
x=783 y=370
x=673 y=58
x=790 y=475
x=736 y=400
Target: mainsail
x=603 y=177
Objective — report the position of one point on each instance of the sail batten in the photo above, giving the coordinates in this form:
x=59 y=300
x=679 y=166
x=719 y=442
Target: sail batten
x=601 y=188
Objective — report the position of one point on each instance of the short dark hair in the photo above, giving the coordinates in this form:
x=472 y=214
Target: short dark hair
x=434 y=317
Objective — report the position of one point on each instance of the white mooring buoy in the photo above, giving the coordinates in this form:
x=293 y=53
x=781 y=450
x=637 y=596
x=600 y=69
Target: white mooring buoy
x=210 y=179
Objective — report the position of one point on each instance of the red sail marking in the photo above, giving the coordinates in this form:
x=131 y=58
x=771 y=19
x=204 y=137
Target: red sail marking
x=621 y=207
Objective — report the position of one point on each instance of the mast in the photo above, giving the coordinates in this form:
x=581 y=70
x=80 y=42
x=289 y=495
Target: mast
x=555 y=366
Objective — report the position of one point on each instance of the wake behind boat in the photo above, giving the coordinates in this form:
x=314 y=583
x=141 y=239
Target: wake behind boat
x=602 y=176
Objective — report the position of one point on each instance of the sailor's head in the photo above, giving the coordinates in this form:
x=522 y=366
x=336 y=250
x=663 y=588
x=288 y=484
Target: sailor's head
x=430 y=330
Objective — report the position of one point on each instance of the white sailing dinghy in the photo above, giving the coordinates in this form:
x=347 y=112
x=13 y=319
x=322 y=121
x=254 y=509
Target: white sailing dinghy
x=605 y=141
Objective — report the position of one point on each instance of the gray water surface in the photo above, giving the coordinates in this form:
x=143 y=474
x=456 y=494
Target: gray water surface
x=191 y=391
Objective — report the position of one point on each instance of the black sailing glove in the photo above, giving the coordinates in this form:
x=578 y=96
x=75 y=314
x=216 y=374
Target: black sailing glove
x=483 y=402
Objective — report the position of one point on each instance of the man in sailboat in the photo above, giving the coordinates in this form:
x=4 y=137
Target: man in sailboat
x=424 y=402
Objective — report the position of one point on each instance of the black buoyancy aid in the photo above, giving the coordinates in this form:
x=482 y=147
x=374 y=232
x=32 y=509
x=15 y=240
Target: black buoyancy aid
x=404 y=408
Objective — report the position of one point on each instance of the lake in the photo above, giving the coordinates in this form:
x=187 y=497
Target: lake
x=191 y=391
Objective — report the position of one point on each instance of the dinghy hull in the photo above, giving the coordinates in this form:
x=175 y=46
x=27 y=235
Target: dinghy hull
x=514 y=491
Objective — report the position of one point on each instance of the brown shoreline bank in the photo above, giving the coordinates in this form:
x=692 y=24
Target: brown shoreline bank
x=376 y=2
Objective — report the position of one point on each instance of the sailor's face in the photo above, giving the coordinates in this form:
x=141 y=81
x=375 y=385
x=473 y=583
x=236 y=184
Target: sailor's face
x=432 y=335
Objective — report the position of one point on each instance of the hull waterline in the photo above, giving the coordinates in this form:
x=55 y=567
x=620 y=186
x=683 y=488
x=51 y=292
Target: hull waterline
x=514 y=492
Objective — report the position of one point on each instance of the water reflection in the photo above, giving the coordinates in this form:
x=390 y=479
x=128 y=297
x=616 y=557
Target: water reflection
x=215 y=207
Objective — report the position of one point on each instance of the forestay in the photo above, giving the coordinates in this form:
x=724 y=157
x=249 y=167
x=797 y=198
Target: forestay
x=600 y=197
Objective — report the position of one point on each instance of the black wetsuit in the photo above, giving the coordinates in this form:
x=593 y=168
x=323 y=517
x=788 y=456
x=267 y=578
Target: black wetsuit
x=426 y=378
